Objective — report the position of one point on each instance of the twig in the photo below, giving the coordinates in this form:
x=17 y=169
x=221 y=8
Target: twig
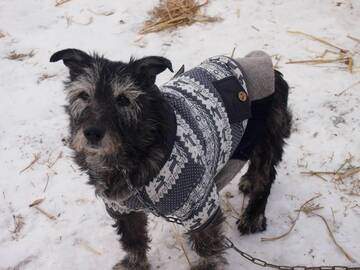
x=36 y=159
x=317 y=174
x=320 y=61
x=302 y=207
x=61 y=2
x=18 y=223
x=47 y=181
x=44 y=212
x=13 y=55
x=51 y=164
x=353 y=38
x=348 y=88
x=87 y=246
x=180 y=243
x=351 y=259
x=319 y=40
x=44 y=77
x=36 y=202
x=20 y=265
x=233 y=52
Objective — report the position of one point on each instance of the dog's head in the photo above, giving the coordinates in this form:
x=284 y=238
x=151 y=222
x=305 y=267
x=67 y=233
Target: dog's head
x=109 y=102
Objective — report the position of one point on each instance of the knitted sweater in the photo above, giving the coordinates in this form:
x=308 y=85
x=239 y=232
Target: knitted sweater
x=211 y=106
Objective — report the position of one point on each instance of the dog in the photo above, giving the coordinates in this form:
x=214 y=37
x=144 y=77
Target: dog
x=170 y=150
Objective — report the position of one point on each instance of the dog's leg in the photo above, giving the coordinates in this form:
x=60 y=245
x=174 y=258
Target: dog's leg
x=134 y=240
x=208 y=244
x=263 y=160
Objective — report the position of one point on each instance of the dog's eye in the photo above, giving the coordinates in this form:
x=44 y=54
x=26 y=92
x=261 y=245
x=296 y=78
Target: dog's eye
x=84 y=96
x=122 y=100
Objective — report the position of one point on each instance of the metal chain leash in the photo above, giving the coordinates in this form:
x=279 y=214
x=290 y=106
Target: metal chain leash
x=230 y=245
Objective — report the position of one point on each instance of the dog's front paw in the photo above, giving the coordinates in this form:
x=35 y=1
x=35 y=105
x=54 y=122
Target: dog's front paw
x=248 y=225
x=216 y=262
x=245 y=185
x=128 y=263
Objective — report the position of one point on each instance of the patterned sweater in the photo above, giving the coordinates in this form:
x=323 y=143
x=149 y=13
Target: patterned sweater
x=211 y=106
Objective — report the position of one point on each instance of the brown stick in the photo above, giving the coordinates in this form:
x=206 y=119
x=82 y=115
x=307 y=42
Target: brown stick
x=318 y=61
x=36 y=159
x=319 y=40
x=36 y=202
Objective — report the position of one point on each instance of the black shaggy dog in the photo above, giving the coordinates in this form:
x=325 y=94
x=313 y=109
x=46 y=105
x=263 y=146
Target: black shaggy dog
x=121 y=130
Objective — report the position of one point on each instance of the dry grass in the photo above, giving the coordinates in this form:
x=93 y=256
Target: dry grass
x=35 y=204
x=2 y=34
x=87 y=246
x=45 y=76
x=309 y=208
x=172 y=13
x=18 y=225
x=306 y=207
x=347 y=88
x=61 y=2
x=342 y=56
x=344 y=178
x=354 y=38
x=35 y=159
x=13 y=55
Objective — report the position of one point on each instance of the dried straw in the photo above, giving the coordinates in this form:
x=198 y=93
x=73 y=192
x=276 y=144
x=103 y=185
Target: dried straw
x=344 y=56
x=354 y=38
x=61 y=2
x=348 y=88
x=347 y=255
x=87 y=246
x=13 y=55
x=305 y=207
x=173 y=13
x=36 y=159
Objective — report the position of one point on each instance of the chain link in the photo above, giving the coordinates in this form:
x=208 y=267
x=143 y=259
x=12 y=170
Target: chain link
x=230 y=245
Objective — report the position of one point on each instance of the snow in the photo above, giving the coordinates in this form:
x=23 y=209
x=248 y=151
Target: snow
x=326 y=129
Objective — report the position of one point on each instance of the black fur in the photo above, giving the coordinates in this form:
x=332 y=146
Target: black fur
x=119 y=130
x=266 y=154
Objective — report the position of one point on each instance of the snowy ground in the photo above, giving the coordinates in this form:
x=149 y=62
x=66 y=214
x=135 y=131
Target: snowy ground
x=326 y=129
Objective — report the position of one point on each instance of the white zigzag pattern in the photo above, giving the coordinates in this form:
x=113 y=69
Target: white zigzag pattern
x=159 y=187
x=116 y=206
x=184 y=131
x=221 y=122
x=201 y=217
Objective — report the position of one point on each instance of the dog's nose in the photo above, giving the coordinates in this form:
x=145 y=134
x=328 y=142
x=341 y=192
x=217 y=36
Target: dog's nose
x=94 y=134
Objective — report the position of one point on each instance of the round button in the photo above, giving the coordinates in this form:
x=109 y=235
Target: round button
x=242 y=96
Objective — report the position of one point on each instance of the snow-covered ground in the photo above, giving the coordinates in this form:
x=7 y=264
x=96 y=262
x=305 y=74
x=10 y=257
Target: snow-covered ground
x=33 y=122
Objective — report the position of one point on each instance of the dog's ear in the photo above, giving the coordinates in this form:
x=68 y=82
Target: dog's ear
x=74 y=59
x=146 y=69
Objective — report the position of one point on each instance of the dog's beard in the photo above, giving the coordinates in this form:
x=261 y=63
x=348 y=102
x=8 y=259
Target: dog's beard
x=108 y=145
x=95 y=156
